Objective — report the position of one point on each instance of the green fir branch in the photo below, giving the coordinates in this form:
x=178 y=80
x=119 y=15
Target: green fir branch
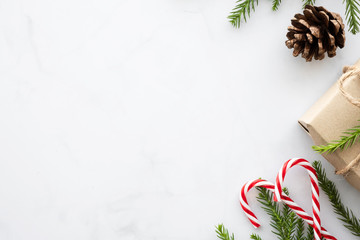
x=352 y=15
x=255 y=237
x=241 y=10
x=300 y=228
x=289 y=220
x=289 y=223
x=346 y=141
x=265 y=198
x=350 y=221
x=223 y=233
x=308 y=2
x=309 y=233
x=275 y=4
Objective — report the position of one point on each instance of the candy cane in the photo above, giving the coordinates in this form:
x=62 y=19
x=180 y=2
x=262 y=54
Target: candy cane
x=314 y=189
x=287 y=200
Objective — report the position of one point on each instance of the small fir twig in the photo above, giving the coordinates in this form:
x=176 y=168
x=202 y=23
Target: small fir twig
x=350 y=221
x=347 y=140
x=308 y=2
x=275 y=4
x=255 y=237
x=309 y=233
x=223 y=233
x=241 y=10
x=265 y=198
x=282 y=221
x=300 y=228
x=352 y=15
x=289 y=220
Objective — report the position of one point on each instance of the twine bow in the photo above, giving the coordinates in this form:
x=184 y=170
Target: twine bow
x=349 y=71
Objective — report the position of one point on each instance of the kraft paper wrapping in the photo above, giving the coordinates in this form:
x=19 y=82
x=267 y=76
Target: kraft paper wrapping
x=329 y=117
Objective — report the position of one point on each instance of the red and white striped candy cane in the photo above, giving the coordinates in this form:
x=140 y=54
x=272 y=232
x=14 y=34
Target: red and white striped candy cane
x=243 y=200
x=287 y=200
x=314 y=189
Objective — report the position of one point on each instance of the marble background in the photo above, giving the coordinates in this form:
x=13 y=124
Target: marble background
x=142 y=119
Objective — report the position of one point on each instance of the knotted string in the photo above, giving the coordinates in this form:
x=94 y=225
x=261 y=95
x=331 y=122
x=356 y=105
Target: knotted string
x=349 y=71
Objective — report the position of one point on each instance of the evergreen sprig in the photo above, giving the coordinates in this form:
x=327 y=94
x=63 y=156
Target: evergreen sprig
x=300 y=228
x=243 y=8
x=347 y=140
x=308 y=2
x=285 y=223
x=255 y=237
x=289 y=219
x=309 y=233
x=352 y=15
x=223 y=233
x=351 y=222
x=265 y=198
x=275 y=4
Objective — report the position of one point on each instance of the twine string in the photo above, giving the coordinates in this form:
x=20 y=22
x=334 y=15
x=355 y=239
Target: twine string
x=350 y=166
x=349 y=72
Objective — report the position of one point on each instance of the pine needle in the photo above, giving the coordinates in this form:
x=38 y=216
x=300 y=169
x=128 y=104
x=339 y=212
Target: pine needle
x=241 y=10
x=275 y=5
x=347 y=140
x=309 y=233
x=352 y=15
x=344 y=214
x=300 y=228
x=223 y=233
x=272 y=208
x=255 y=237
x=289 y=220
x=308 y=2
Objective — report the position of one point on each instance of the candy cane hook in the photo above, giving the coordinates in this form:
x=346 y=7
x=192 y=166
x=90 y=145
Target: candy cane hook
x=314 y=189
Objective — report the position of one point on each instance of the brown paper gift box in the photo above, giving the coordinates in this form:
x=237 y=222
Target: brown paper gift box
x=329 y=117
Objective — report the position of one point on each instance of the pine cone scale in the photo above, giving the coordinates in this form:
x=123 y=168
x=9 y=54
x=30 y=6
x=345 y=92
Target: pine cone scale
x=300 y=16
x=311 y=16
x=321 y=48
x=298 y=48
x=324 y=18
x=300 y=23
x=340 y=41
x=315 y=31
x=295 y=29
x=309 y=37
x=335 y=26
x=300 y=37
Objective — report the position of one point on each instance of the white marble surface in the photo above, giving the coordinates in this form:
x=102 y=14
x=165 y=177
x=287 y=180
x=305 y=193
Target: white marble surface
x=142 y=119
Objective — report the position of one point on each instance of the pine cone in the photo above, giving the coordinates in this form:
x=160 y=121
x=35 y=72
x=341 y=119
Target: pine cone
x=316 y=32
